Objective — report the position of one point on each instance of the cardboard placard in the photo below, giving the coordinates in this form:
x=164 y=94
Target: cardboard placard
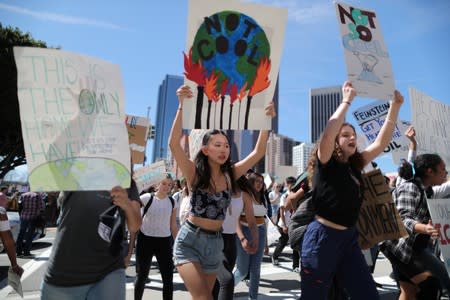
x=378 y=219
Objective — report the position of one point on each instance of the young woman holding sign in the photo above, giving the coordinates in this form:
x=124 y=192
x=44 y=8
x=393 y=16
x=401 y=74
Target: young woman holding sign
x=330 y=247
x=211 y=178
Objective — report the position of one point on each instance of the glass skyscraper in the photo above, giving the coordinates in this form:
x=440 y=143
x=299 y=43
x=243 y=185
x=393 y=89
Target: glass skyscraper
x=165 y=113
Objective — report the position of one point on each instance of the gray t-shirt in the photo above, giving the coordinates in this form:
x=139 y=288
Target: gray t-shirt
x=80 y=256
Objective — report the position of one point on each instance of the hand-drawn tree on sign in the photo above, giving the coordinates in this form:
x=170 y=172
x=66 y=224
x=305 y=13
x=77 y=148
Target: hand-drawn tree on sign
x=232 y=45
x=261 y=83
x=211 y=93
x=196 y=73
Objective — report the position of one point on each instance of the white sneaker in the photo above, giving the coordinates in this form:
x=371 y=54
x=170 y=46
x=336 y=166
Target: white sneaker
x=275 y=261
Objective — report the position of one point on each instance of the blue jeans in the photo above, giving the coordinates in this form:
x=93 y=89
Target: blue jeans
x=112 y=286
x=26 y=233
x=250 y=263
x=195 y=245
x=328 y=253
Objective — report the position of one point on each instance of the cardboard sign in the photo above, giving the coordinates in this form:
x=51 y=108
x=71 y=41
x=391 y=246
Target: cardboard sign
x=378 y=219
x=72 y=112
x=231 y=63
x=138 y=128
x=431 y=119
x=150 y=175
x=440 y=214
x=366 y=55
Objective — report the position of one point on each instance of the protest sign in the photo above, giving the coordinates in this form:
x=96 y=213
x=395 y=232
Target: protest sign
x=440 y=214
x=195 y=141
x=72 y=117
x=371 y=118
x=150 y=175
x=431 y=119
x=367 y=58
x=231 y=62
x=402 y=146
x=378 y=219
x=138 y=128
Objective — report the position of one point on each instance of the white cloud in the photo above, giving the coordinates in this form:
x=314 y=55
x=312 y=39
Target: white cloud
x=46 y=16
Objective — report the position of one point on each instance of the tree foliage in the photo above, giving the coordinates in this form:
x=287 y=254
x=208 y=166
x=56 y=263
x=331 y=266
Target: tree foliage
x=12 y=153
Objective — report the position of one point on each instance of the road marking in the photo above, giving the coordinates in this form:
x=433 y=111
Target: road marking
x=29 y=268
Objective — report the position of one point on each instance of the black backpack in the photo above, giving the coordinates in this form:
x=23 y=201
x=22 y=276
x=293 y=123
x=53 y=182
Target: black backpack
x=147 y=206
x=300 y=219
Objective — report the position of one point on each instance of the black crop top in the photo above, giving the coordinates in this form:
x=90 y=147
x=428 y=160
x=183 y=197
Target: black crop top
x=337 y=193
x=210 y=206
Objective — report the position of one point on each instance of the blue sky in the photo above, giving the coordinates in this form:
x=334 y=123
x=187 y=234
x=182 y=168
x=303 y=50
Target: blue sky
x=147 y=38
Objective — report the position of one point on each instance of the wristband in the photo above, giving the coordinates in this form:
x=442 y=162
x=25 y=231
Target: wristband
x=242 y=239
x=347 y=102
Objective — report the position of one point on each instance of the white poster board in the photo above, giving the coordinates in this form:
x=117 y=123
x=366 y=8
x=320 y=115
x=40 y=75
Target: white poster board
x=73 y=121
x=232 y=58
x=195 y=141
x=366 y=55
x=431 y=119
x=402 y=146
x=150 y=175
x=371 y=118
x=439 y=210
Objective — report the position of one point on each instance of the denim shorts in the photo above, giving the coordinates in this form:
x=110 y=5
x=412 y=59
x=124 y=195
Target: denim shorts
x=193 y=244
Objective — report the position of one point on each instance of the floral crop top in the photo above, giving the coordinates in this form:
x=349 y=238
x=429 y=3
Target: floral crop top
x=210 y=206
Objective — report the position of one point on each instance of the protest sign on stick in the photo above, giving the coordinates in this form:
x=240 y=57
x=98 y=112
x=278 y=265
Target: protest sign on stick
x=231 y=62
x=367 y=58
x=138 y=128
x=378 y=219
x=150 y=175
x=73 y=121
x=431 y=119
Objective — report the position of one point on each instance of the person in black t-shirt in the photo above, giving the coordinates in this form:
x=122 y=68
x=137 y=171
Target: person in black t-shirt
x=330 y=247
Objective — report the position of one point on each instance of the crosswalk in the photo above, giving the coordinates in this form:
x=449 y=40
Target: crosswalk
x=277 y=282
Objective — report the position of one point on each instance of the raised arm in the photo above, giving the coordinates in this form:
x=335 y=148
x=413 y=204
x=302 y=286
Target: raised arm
x=410 y=133
x=186 y=166
x=327 y=143
x=242 y=166
x=384 y=137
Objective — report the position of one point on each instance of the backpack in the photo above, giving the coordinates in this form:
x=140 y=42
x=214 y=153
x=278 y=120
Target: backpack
x=300 y=220
x=147 y=206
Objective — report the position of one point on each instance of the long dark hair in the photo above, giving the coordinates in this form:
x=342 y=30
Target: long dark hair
x=203 y=171
x=419 y=169
x=355 y=161
x=244 y=185
x=259 y=195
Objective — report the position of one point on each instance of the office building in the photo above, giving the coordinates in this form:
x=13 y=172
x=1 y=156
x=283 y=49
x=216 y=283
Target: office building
x=165 y=113
x=279 y=153
x=300 y=156
x=322 y=102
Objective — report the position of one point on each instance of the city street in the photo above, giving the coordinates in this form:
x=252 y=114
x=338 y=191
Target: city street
x=276 y=282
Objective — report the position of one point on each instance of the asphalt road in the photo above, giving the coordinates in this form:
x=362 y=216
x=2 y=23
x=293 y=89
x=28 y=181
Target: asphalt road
x=277 y=282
